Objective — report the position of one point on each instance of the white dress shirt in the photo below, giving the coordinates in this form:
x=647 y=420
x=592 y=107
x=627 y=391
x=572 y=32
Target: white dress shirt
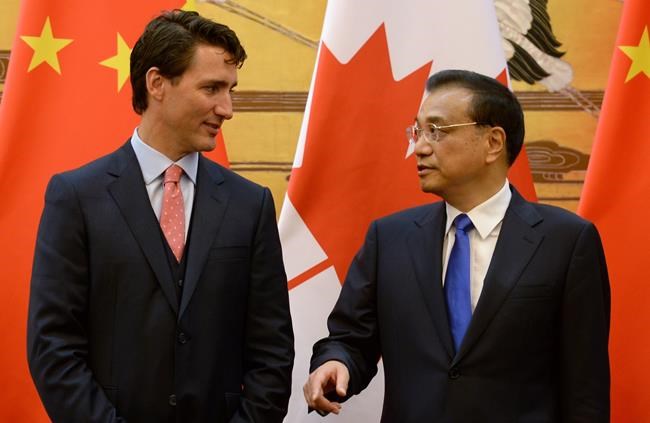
x=153 y=165
x=487 y=218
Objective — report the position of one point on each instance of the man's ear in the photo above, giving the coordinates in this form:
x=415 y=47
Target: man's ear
x=155 y=83
x=496 y=144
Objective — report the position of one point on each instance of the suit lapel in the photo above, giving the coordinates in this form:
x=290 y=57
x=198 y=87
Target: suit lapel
x=207 y=216
x=425 y=250
x=516 y=245
x=129 y=192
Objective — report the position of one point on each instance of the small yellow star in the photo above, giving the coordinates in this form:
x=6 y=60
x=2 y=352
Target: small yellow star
x=120 y=62
x=640 y=56
x=45 y=47
x=190 y=6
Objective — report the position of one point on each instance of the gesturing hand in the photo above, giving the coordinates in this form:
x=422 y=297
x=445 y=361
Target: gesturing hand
x=330 y=376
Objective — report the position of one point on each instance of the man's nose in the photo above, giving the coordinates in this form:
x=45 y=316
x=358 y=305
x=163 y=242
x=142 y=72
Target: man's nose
x=422 y=146
x=223 y=107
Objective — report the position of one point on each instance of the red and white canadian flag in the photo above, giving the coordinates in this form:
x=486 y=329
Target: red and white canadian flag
x=352 y=164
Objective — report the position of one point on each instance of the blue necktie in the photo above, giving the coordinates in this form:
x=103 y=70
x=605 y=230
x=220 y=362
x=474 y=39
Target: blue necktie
x=457 y=286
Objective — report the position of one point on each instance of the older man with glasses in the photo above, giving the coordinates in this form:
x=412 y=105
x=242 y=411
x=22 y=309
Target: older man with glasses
x=484 y=307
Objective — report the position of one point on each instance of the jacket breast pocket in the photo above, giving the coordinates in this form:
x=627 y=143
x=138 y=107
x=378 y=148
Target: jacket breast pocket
x=226 y=273
x=228 y=253
x=531 y=292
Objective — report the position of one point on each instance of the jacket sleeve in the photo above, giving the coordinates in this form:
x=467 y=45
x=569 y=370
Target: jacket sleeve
x=585 y=321
x=353 y=328
x=57 y=339
x=269 y=348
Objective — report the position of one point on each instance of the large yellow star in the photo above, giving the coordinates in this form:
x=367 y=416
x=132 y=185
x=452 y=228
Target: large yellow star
x=45 y=47
x=120 y=62
x=640 y=56
x=190 y=6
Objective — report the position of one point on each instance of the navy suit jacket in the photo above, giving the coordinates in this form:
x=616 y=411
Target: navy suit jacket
x=536 y=347
x=108 y=339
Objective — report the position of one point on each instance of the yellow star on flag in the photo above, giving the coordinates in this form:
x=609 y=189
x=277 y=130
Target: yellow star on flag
x=640 y=56
x=45 y=47
x=120 y=62
x=189 y=6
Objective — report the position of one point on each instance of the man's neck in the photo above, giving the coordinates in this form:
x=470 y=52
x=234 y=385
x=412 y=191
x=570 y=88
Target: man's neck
x=151 y=135
x=466 y=201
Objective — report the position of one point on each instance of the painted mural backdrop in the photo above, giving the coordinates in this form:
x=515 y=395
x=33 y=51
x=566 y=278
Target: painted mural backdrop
x=558 y=55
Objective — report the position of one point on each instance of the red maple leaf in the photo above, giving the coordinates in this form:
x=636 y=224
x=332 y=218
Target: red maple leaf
x=353 y=167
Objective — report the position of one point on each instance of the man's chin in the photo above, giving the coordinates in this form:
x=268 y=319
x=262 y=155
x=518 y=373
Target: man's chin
x=208 y=145
x=428 y=187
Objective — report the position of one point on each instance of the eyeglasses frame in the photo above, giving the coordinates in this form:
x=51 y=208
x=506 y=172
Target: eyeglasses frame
x=412 y=130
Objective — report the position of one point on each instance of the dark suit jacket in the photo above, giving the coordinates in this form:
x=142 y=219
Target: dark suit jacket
x=108 y=339
x=535 y=350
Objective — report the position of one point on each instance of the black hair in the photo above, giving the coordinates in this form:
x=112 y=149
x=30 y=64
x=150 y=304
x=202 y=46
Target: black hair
x=492 y=104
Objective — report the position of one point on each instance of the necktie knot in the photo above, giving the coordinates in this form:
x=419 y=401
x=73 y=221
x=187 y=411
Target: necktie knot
x=462 y=222
x=173 y=174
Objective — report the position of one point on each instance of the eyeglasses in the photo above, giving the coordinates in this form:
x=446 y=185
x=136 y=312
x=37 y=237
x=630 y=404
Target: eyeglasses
x=431 y=132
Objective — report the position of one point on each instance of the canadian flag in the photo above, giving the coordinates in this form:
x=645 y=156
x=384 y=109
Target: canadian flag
x=352 y=164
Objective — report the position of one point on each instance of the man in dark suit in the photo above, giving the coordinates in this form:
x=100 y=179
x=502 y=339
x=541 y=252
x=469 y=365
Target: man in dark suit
x=484 y=307
x=182 y=320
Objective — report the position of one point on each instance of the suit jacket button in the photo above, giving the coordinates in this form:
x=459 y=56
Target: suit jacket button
x=180 y=283
x=454 y=373
x=172 y=400
x=182 y=338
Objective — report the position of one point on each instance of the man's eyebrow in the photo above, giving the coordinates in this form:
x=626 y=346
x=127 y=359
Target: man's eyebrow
x=430 y=119
x=219 y=82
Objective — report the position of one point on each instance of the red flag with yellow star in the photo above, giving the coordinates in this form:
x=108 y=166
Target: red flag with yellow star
x=616 y=197
x=66 y=101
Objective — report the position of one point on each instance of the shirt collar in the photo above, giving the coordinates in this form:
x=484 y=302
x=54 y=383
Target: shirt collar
x=153 y=163
x=487 y=215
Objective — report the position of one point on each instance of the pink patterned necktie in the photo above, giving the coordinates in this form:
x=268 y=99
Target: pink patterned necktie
x=172 y=216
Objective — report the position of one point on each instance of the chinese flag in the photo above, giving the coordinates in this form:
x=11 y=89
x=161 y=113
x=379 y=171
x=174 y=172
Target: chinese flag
x=352 y=163
x=616 y=196
x=67 y=101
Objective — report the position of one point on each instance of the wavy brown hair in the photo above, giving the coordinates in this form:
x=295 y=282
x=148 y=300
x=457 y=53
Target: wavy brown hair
x=169 y=42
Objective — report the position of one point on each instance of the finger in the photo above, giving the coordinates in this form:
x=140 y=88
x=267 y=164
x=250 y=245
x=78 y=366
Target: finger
x=314 y=392
x=342 y=380
x=323 y=404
